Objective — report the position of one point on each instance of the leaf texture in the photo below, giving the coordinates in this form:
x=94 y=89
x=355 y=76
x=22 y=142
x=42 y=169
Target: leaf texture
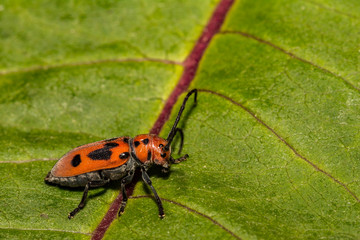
x=273 y=139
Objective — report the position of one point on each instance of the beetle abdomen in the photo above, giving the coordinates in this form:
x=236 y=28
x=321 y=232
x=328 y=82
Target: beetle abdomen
x=82 y=179
x=74 y=181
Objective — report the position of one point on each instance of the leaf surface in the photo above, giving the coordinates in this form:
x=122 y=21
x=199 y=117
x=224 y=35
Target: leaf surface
x=71 y=74
x=273 y=140
x=274 y=157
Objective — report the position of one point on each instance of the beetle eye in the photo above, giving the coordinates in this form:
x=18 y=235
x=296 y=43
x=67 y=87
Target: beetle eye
x=160 y=146
x=163 y=155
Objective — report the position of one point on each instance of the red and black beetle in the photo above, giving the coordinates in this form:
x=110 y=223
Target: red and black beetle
x=96 y=164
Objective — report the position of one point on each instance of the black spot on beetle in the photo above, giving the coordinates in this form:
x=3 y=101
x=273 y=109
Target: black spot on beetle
x=160 y=146
x=124 y=155
x=149 y=155
x=136 y=143
x=103 y=153
x=76 y=160
x=110 y=139
x=100 y=154
x=111 y=145
x=163 y=155
x=126 y=140
x=145 y=141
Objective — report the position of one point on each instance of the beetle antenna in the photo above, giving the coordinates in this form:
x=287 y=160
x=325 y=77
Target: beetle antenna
x=178 y=130
x=173 y=129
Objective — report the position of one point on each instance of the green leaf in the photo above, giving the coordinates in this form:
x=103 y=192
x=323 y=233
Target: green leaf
x=279 y=159
x=73 y=73
x=55 y=113
x=42 y=33
x=274 y=140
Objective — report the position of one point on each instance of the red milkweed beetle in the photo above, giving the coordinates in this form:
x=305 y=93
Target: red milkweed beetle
x=96 y=164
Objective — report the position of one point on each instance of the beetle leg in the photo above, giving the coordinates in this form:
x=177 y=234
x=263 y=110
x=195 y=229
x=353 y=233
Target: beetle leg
x=179 y=159
x=124 y=181
x=147 y=180
x=97 y=183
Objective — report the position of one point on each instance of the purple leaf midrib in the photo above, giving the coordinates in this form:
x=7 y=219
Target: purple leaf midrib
x=190 y=64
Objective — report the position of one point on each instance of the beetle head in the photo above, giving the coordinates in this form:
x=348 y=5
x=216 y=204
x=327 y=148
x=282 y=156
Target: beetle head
x=161 y=153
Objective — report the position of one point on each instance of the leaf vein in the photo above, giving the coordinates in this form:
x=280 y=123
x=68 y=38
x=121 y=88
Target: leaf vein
x=39 y=229
x=191 y=210
x=317 y=168
x=30 y=160
x=89 y=63
x=260 y=40
x=331 y=9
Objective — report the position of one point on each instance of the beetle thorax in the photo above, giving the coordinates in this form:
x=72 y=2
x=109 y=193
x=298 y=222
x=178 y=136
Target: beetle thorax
x=149 y=149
